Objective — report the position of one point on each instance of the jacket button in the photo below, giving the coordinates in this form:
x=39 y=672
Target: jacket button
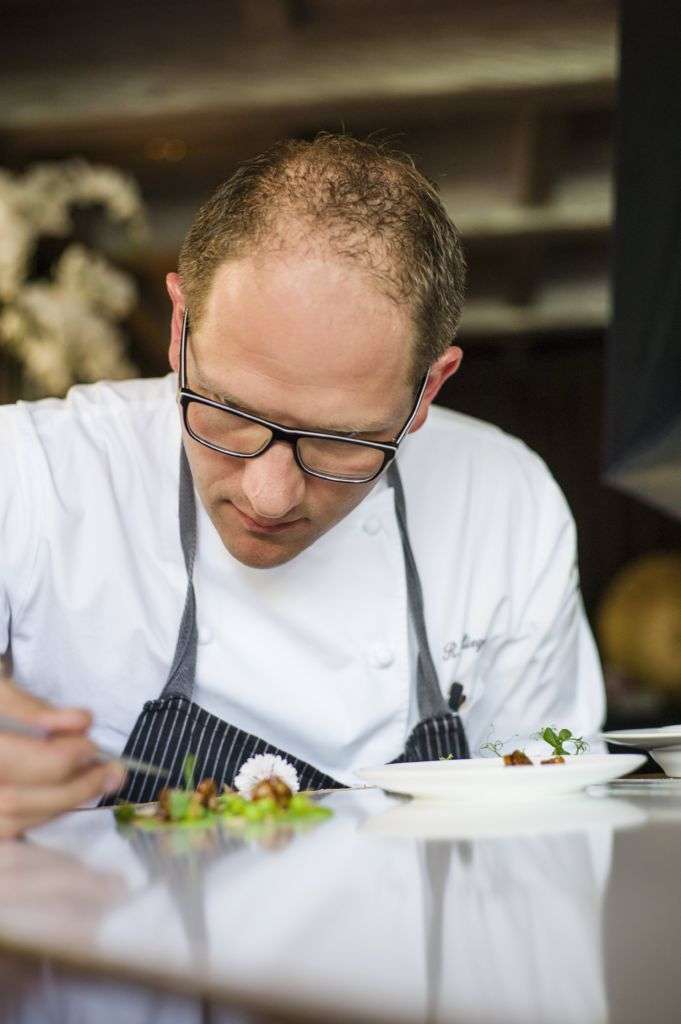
x=381 y=656
x=372 y=525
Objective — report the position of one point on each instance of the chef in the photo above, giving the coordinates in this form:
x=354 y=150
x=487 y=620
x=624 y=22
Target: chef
x=283 y=546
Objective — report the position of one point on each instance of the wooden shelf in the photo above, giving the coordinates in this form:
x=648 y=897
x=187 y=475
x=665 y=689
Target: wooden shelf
x=545 y=50
x=506 y=104
x=560 y=309
x=551 y=220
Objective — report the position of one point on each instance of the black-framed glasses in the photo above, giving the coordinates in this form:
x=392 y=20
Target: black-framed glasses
x=328 y=455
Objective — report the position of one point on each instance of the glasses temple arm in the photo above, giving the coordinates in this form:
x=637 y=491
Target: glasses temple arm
x=405 y=429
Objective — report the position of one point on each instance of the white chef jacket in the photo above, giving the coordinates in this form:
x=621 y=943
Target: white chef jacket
x=314 y=656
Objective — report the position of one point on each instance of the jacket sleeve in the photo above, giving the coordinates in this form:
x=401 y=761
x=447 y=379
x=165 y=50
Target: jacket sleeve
x=17 y=525
x=548 y=671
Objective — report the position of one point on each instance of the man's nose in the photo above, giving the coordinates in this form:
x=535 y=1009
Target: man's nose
x=273 y=483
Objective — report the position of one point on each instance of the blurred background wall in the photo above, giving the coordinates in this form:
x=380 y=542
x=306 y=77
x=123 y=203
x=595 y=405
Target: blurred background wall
x=508 y=106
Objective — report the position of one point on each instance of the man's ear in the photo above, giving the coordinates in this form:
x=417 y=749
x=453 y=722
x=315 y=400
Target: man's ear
x=174 y=286
x=443 y=368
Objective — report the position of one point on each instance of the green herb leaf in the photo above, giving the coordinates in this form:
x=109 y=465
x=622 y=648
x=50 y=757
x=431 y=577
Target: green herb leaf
x=233 y=804
x=188 y=771
x=299 y=803
x=256 y=810
x=550 y=736
x=178 y=804
x=557 y=739
x=124 y=813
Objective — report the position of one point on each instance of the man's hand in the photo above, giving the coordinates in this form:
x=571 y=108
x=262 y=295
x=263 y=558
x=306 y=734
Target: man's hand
x=40 y=779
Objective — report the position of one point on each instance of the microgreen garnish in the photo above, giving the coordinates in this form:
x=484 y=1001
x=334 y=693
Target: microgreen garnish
x=188 y=770
x=494 y=747
x=179 y=802
x=557 y=740
x=271 y=803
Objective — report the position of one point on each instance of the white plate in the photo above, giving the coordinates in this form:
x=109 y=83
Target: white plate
x=489 y=779
x=646 y=739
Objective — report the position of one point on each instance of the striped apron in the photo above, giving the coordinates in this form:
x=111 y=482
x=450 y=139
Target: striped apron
x=173 y=726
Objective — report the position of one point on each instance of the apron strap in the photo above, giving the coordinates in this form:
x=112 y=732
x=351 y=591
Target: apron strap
x=428 y=693
x=180 y=682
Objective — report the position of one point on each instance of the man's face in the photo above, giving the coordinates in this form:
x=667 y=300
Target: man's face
x=306 y=342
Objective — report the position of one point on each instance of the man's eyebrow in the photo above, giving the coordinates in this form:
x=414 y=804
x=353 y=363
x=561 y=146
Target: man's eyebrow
x=219 y=394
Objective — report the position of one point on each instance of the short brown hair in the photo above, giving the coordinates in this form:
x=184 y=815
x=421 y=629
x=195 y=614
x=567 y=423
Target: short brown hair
x=366 y=202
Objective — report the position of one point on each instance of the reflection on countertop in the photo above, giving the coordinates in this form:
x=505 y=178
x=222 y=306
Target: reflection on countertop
x=388 y=911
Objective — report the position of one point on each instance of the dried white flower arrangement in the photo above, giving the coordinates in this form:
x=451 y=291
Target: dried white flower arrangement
x=64 y=328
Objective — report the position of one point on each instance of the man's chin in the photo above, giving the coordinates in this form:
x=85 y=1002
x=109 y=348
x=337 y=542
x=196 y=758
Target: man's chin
x=262 y=552
x=261 y=556
x=256 y=549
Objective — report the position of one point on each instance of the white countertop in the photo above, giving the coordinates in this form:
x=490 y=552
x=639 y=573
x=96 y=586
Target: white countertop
x=563 y=912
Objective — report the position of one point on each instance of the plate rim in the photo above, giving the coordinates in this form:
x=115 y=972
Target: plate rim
x=644 y=739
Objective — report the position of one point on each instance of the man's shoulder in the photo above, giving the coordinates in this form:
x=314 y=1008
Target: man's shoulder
x=466 y=478
x=102 y=400
x=451 y=441
x=91 y=411
x=99 y=431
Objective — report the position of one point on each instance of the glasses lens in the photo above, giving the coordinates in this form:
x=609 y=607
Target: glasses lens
x=226 y=430
x=340 y=459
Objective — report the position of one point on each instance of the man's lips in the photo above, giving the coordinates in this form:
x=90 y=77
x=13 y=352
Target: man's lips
x=265 y=526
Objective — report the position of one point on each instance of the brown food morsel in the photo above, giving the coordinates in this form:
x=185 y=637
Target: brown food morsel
x=558 y=759
x=164 y=802
x=272 y=789
x=282 y=793
x=263 y=791
x=517 y=757
x=206 y=789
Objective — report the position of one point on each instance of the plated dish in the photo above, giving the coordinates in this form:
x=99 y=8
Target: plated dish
x=266 y=793
x=488 y=779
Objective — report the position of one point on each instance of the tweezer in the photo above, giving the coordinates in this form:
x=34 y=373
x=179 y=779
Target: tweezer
x=101 y=754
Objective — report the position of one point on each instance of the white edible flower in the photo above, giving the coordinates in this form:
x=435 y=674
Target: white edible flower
x=263 y=767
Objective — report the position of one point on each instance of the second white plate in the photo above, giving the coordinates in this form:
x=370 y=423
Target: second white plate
x=489 y=779
x=646 y=739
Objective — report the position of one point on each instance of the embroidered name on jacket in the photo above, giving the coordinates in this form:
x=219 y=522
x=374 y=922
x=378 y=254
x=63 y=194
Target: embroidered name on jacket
x=452 y=648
